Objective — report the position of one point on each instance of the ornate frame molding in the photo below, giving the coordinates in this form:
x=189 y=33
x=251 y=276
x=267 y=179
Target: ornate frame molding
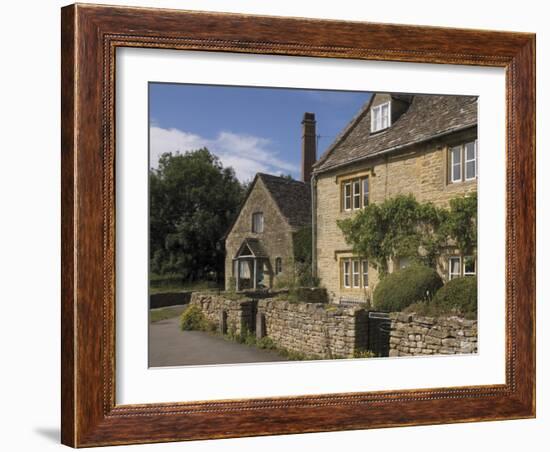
x=90 y=37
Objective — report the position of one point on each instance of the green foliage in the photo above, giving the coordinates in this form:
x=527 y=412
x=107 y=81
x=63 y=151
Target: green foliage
x=403 y=227
x=232 y=333
x=461 y=223
x=192 y=319
x=404 y=287
x=156 y=315
x=302 y=245
x=458 y=296
x=248 y=337
x=232 y=284
x=193 y=200
x=363 y=353
x=266 y=343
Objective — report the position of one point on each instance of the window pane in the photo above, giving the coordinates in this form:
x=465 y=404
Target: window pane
x=356 y=194
x=365 y=192
x=456 y=164
x=471 y=169
x=365 y=274
x=470 y=159
x=454 y=267
x=258 y=222
x=455 y=153
x=470 y=151
x=355 y=273
x=346 y=273
x=384 y=116
x=469 y=265
x=456 y=172
x=245 y=269
x=347 y=196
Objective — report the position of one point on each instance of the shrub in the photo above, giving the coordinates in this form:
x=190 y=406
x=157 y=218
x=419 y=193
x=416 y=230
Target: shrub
x=266 y=343
x=193 y=319
x=363 y=353
x=404 y=287
x=458 y=296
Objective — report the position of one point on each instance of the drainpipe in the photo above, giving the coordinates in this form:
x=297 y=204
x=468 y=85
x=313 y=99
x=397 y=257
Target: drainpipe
x=313 y=225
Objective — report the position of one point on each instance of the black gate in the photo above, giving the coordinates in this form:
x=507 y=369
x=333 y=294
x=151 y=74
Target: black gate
x=379 y=333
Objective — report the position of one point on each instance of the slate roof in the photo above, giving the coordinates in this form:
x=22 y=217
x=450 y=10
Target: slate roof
x=427 y=117
x=293 y=198
x=254 y=246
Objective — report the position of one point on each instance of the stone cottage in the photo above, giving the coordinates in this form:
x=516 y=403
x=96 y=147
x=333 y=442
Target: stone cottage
x=425 y=145
x=260 y=244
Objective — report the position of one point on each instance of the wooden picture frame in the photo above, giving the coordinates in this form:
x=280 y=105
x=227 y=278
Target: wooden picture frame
x=90 y=36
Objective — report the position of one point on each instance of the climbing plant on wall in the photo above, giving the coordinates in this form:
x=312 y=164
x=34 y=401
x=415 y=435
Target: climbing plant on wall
x=403 y=227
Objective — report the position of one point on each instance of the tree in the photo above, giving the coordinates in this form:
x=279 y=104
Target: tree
x=403 y=227
x=193 y=200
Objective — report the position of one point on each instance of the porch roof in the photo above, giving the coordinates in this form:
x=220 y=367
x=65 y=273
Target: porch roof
x=251 y=247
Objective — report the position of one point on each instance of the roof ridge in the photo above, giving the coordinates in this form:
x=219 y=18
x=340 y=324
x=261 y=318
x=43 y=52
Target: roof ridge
x=281 y=178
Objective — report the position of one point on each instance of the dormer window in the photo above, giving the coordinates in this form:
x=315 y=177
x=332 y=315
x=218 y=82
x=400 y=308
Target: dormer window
x=380 y=117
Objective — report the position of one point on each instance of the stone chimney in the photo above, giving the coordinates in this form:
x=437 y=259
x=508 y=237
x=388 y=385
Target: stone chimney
x=309 y=145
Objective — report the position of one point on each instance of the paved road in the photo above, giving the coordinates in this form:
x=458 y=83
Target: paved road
x=169 y=346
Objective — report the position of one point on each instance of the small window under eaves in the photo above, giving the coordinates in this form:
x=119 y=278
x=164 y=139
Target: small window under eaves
x=380 y=117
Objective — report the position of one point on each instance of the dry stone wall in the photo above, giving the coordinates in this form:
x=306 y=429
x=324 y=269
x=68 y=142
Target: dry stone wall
x=412 y=334
x=237 y=316
x=314 y=329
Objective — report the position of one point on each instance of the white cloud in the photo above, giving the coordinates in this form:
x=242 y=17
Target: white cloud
x=247 y=154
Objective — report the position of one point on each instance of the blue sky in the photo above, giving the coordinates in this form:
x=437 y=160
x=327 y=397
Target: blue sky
x=250 y=129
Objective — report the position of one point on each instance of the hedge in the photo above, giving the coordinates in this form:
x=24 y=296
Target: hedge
x=404 y=287
x=458 y=296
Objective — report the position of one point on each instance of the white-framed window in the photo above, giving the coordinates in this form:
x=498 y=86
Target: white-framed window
x=365 y=268
x=365 y=191
x=469 y=266
x=278 y=265
x=454 y=267
x=463 y=162
x=470 y=160
x=244 y=271
x=356 y=272
x=346 y=263
x=380 y=117
x=258 y=222
x=355 y=193
x=347 y=196
x=456 y=164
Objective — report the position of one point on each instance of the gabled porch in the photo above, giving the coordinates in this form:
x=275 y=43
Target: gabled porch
x=251 y=268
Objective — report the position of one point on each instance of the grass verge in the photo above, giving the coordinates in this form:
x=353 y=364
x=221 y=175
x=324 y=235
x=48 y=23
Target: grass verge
x=156 y=315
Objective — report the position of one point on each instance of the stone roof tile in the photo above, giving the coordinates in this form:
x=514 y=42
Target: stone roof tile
x=427 y=116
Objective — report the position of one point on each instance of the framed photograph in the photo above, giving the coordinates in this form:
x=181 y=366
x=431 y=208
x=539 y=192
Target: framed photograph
x=282 y=225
